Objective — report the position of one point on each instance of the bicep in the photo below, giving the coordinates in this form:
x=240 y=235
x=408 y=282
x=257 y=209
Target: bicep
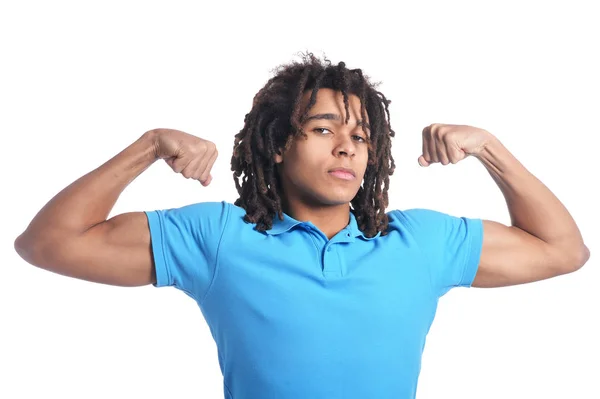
x=511 y=256
x=115 y=252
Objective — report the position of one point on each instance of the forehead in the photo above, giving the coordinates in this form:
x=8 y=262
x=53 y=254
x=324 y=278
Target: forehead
x=333 y=101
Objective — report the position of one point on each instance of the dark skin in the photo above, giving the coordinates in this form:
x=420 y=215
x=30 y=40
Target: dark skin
x=276 y=120
x=312 y=191
x=71 y=234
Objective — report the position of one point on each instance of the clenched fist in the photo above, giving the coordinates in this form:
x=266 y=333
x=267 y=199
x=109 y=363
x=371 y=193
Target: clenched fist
x=189 y=155
x=446 y=143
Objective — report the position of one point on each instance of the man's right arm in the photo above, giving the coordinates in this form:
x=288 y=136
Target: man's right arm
x=116 y=252
x=71 y=236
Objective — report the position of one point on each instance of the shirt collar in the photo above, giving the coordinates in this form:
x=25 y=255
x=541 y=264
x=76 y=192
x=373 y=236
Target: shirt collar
x=281 y=226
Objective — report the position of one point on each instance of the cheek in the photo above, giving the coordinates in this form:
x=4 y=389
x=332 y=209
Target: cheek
x=308 y=156
x=297 y=166
x=305 y=171
x=363 y=159
x=302 y=173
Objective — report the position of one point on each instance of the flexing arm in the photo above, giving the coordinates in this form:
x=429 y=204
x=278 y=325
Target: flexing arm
x=71 y=236
x=543 y=240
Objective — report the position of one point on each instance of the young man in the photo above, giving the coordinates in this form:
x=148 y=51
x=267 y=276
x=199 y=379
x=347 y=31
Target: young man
x=310 y=289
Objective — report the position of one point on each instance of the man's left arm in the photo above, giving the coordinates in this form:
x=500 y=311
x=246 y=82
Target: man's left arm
x=543 y=240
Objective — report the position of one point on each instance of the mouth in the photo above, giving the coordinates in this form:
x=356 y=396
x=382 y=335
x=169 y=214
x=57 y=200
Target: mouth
x=343 y=173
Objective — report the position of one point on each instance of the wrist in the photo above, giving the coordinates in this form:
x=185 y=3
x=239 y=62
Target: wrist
x=496 y=157
x=150 y=139
x=490 y=149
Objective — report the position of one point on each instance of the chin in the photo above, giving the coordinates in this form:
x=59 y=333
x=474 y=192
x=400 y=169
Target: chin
x=336 y=197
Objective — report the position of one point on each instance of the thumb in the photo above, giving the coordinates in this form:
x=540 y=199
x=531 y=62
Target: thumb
x=207 y=181
x=422 y=161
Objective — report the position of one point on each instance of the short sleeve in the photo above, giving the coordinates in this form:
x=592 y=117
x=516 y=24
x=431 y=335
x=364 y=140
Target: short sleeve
x=452 y=246
x=185 y=244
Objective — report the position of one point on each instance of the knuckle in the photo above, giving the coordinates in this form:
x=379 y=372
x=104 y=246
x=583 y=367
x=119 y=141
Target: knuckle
x=198 y=151
x=212 y=148
x=208 y=145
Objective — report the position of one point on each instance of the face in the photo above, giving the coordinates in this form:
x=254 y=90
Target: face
x=328 y=167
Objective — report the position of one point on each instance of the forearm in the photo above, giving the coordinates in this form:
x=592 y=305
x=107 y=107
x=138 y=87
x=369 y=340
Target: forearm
x=531 y=205
x=89 y=200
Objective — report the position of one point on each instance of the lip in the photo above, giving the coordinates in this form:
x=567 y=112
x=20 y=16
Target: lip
x=343 y=173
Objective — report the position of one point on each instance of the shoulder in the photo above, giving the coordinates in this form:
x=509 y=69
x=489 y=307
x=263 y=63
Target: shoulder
x=223 y=213
x=431 y=224
x=416 y=219
x=198 y=214
x=212 y=208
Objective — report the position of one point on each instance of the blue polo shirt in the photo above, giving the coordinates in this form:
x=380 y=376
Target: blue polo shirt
x=295 y=315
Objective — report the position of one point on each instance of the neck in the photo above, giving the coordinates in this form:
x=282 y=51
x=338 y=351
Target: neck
x=330 y=219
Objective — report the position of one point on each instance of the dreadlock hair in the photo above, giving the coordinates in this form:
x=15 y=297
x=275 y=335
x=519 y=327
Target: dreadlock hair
x=275 y=121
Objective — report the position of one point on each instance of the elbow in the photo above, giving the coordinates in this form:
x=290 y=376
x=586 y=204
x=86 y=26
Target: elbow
x=585 y=256
x=577 y=259
x=20 y=245
x=28 y=248
x=23 y=248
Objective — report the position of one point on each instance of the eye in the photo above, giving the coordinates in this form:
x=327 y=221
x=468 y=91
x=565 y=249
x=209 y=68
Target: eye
x=360 y=139
x=320 y=130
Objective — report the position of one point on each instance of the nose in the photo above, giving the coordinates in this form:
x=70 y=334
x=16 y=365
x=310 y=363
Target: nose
x=345 y=146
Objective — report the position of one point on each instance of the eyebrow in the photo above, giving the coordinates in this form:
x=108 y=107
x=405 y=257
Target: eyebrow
x=336 y=117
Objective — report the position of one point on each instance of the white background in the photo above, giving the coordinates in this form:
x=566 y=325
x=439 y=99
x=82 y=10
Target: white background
x=81 y=81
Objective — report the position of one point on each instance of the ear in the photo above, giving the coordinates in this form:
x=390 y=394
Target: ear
x=278 y=157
